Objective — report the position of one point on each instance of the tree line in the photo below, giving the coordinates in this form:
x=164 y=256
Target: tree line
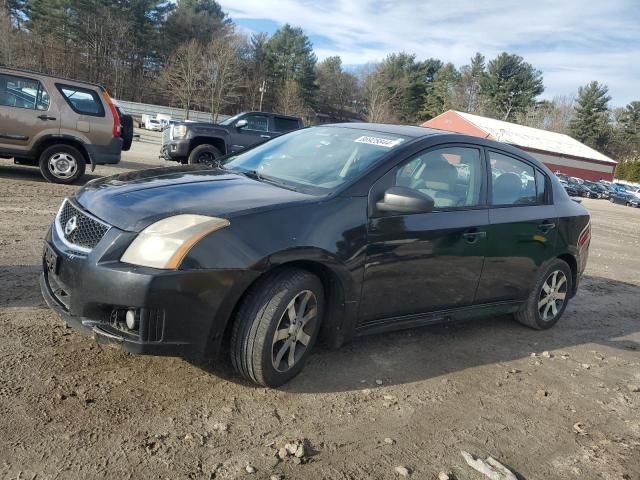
x=191 y=54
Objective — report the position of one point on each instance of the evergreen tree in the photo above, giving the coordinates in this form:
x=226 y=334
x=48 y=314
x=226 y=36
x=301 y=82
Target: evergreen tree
x=591 y=122
x=510 y=86
x=441 y=94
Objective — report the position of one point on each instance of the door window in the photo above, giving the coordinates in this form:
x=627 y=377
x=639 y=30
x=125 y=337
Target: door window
x=82 y=100
x=256 y=122
x=23 y=92
x=513 y=181
x=452 y=176
x=283 y=125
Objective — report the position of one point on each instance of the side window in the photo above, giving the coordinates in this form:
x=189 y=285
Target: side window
x=82 y=100
x=256 y=122
x=23 y=92
x=452 y=176
x=541 y=187
x=514 y=181
x=283 y=125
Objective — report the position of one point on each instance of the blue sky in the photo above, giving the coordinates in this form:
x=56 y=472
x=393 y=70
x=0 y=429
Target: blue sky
x=571 y=41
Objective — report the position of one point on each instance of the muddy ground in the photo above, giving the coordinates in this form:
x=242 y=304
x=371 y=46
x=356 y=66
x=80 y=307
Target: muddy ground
x=72 y=409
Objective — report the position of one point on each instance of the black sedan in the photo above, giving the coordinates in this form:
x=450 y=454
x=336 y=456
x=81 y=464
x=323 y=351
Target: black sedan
x=332 y=232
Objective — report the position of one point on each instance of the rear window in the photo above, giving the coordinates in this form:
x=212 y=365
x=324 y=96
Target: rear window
x=285 y=124
x=82 y=100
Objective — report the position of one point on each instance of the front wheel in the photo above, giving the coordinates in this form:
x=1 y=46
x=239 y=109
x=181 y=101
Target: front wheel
x=549 y=297
x=276 y=326
x=204 y=154
x=62 y=164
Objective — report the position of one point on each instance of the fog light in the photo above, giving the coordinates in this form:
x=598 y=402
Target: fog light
x=132 y=319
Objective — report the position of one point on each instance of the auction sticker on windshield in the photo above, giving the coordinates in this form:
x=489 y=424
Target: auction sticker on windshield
x=381 y=142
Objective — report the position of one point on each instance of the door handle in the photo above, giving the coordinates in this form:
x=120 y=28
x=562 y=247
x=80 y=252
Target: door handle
x=545 y=226
x=473 y=235
x=265 y=136
x=46 y=117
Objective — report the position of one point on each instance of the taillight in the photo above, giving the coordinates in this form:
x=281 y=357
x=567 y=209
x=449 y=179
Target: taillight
x=114 y=112
x=584 y=236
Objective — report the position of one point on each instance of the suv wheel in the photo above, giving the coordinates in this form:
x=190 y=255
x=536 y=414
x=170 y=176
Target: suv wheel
x=549 y=298
x=62 y=164
x=204 y=154
x=276 y=327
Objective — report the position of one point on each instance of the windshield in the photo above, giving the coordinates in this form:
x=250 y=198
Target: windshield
x=230 y=120
x=318 y=157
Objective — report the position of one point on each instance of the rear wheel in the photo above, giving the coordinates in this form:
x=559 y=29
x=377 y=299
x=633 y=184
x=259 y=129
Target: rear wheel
x=204 y=154
x=277 y=326
x=549 y=298
x=62 y=164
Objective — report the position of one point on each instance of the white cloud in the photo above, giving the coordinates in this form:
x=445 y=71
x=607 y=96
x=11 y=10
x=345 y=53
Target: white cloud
x=571 y=41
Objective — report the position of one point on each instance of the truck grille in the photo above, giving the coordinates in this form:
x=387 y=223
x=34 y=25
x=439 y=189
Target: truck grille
x=166 y=135
x=79 y=230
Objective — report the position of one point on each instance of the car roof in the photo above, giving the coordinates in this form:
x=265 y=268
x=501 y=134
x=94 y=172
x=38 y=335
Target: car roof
x=57 y=77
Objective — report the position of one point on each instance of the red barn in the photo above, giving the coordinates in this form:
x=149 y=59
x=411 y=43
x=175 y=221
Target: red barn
x=557 y=151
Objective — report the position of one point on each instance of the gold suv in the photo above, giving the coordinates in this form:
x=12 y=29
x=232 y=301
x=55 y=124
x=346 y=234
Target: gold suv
x=59 y=124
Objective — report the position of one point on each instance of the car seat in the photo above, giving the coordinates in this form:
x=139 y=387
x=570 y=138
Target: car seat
x=438 y=180
x=507 y=189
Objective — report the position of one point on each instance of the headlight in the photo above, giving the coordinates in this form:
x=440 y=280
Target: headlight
x=179 y=131
x=165 y=243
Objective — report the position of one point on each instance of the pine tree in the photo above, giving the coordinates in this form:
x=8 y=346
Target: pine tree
x=591 y=123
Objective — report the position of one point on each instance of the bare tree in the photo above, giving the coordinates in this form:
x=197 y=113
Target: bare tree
x=182 y=77
x=289 y=100
x=221 y=72
x=380 y=91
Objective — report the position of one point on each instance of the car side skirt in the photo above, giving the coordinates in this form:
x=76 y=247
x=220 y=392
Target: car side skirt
x=442 y=316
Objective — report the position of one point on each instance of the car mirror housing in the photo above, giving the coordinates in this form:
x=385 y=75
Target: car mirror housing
x=241 y=123
x=405 y=200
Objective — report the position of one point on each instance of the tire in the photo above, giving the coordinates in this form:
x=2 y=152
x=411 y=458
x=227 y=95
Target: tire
x=126 y=131
x=204 y=154
x=256 y=353
x=62 y=164
x=541 y=316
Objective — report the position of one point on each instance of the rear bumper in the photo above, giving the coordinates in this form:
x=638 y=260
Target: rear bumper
x=181 y=313
x=106 y=154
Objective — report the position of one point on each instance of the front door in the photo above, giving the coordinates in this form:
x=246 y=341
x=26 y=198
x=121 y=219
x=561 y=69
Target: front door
x=255 y=131
x=428 y=262
x=522 y=229
x=26 y=113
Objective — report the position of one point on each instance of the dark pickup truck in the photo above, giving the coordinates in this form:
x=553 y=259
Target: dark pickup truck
x=194 y=142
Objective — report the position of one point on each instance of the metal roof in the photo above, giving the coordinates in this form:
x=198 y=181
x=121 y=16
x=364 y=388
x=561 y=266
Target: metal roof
x=533 y=138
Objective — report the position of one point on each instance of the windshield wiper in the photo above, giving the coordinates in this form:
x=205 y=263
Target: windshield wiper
x=254 y=174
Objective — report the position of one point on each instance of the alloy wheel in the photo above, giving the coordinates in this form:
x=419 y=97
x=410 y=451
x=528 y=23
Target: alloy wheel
x=206 y=158
x=291 y=338
x=552 y=296
x=62 y=165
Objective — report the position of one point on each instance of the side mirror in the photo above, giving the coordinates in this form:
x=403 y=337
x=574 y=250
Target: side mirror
x=241 y=123
x=405 y=200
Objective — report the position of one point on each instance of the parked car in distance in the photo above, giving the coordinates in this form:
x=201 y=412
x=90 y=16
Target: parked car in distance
x=623 y=197
x=197 y=142
x=600 y=189
x=332 y=231
x=572 y=192
x=59 y=124
x=154 y=125
x=584 y=191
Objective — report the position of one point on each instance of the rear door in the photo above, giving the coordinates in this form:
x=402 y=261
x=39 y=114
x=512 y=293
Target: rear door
x=26 y=113
x=256 y=131
x=522 y=228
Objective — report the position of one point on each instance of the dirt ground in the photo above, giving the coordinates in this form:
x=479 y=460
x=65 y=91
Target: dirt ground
x=71 y=409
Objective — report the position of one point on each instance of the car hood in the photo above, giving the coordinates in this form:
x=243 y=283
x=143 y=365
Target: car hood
x=132 y=201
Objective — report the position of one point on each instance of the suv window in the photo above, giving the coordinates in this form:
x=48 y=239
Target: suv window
x=257 y=122
x=23 y=92
x=452 y=176
x=82 y=100
x=283 y=125
x=513 y=181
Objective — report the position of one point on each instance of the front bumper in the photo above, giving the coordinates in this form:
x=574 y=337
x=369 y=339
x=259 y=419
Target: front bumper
x=181 y=312
x=175 y=150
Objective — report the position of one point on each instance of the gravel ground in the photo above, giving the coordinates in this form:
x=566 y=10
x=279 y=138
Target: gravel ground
x=556 y=404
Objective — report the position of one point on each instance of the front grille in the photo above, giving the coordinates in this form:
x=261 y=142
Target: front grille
x=166 y=135
x=79 y=229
